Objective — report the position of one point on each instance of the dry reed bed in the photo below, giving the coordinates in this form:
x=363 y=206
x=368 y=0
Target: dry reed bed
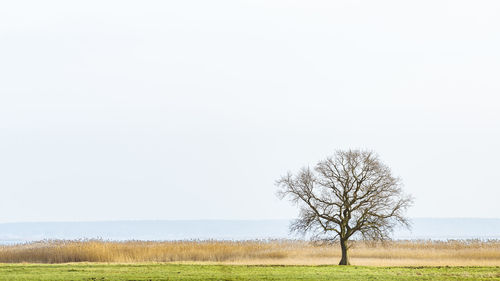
x=466 y=252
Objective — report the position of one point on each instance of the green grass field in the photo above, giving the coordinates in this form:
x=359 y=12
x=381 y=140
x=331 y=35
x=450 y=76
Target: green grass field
x=238 y=272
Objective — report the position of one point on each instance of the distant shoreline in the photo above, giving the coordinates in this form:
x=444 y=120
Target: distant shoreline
x=174 y=230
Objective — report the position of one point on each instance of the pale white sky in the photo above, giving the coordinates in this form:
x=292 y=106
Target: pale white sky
x=192 y=109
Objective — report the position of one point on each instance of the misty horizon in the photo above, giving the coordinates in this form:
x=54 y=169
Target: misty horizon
x=173 y=230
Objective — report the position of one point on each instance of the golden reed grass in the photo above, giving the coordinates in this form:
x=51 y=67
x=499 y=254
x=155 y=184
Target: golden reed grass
x=466 y=252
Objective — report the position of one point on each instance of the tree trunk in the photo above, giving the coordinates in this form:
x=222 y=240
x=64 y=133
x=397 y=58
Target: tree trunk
x=345 y=257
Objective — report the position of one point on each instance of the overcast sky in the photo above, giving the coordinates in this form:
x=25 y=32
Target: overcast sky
x=114 y=110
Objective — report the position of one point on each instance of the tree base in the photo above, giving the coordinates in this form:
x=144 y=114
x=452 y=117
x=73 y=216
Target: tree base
x=342 y=262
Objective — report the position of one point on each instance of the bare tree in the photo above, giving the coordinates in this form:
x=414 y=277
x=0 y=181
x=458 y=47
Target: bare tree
x=352 y=194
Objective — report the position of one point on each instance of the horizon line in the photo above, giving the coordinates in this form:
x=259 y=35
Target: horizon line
x=228 y=220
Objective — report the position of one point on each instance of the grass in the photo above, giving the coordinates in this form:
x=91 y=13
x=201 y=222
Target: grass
x=248 y=260
x=284 y=252
x=156 y=272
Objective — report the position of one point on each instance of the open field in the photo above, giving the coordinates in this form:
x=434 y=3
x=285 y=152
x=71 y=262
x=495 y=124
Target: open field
x=110 y=272
x=279 y=252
